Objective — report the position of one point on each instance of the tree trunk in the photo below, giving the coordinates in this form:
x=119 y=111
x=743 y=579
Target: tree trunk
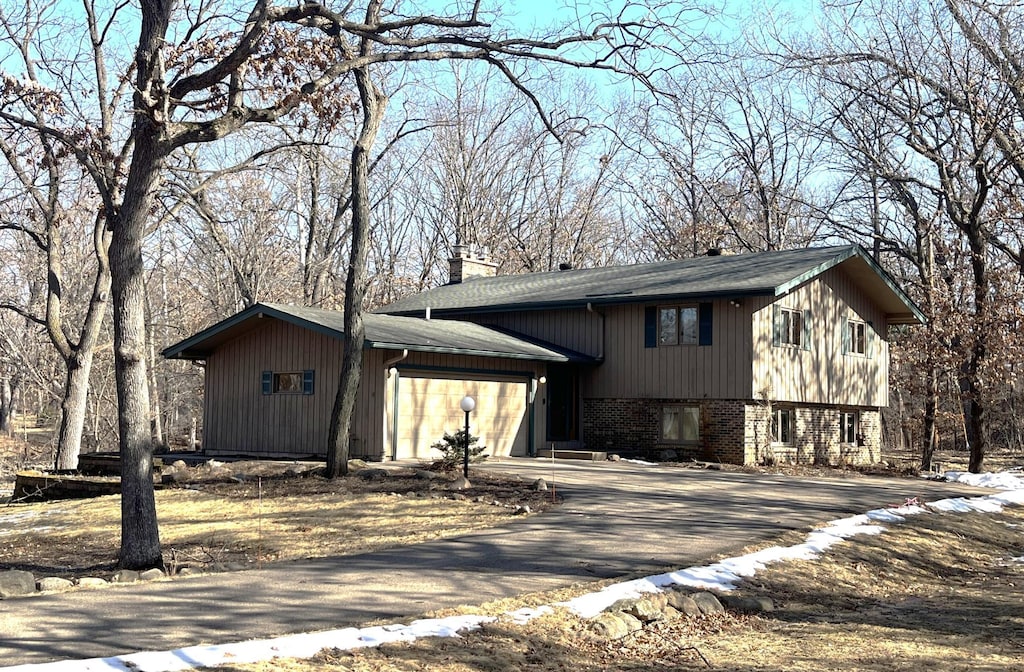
x=6 y=397
x=931 y=401
x=72 y=410
x=373 y=103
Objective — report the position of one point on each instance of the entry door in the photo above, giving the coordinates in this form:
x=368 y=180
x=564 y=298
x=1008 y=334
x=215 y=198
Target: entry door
x=563 y=390
x=428 y=406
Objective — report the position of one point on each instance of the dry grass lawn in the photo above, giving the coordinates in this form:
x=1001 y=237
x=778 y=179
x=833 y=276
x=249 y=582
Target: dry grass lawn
x=939 y=593
x=215 y=525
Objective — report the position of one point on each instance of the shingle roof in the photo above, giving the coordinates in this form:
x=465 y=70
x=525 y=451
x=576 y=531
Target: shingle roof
x=382 y=331
x=761 y=273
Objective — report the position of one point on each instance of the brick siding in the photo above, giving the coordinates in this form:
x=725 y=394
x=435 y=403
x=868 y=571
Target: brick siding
x=732 y=431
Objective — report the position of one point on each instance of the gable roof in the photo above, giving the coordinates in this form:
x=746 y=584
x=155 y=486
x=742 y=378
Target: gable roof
x=755 y=274
x=382 y=331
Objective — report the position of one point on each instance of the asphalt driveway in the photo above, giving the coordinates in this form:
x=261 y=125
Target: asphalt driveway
x=617 y=518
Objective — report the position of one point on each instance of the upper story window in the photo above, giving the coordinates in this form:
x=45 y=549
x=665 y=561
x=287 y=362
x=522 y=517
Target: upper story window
x=677 y=325
x=857 y=337
x=791 y=327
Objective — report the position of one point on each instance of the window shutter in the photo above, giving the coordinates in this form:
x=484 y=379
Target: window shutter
x=267 y=380
x=776 y=325
x=704 y=321
x=869 y=340
x=307 y=382
x=651 y=327
x=845 y=326
x=805 y=337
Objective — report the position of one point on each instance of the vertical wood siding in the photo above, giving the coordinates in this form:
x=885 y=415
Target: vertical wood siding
x=241 y=419
x=823 y=373
x=573 y=328
x=721 y=370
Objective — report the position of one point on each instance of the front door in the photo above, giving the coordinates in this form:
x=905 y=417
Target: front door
x=563 y=390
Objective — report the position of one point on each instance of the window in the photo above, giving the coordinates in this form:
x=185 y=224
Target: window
x=848 y=427
x=782 y=425
x=680 y=424
x=677 y=325
x=790 y=327
x=287 y=382
x=856 y=337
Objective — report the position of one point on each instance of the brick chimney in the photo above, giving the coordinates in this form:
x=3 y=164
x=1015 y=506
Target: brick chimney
x=469 y=261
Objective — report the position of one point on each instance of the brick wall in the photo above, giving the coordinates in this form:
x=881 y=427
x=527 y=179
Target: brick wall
x=732 y=431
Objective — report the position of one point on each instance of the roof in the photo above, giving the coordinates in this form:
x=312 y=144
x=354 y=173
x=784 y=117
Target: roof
x=382 y=331
x=757 y=274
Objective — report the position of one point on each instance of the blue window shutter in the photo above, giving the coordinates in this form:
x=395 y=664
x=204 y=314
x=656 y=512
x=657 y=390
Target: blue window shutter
x=845 y=326
x=704 y=322
x=805 y=337
x=268 y=382
x=776 y=325
x=651 y=327
x=307 y=382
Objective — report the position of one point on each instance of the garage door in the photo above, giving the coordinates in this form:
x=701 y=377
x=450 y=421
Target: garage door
x=428 y=406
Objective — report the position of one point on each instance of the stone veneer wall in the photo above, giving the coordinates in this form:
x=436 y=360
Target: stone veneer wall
x=732 y=431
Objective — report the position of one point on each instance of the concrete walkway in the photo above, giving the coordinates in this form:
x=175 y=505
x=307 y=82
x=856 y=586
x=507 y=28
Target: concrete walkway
x=617 y=518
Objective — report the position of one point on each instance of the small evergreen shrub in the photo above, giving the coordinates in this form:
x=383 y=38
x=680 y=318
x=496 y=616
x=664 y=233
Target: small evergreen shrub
x=453 y=447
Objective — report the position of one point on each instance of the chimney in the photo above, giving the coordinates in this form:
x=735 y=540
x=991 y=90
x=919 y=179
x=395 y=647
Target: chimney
x=468 y=262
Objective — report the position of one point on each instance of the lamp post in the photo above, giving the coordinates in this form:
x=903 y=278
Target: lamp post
x=467 y=405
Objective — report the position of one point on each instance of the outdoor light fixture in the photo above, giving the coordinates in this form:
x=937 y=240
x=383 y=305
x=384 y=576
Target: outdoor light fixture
x=467 y=405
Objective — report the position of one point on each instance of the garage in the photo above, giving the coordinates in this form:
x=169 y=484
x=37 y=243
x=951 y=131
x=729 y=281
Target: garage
x=426 y=405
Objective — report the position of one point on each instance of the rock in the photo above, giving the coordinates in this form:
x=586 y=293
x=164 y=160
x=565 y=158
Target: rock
x=668 y=455
x=540 y=485
x=174 y=476
x=708 y=603
x=356 y=465
x=632 y=622
x=179 y=465
x=426 y=475
x=53 y=584
x=460 y=483
x=459 y=497
x=189 y=571
x=91 y=582
x=683 y=603
x=372 y=474
x=645 y=609
x=214 y=464
x=614 y=458
x=125 y=576
x=152 y=574
x=15 y=582
x=747 y=605
x=608 y=625
x=522 y=510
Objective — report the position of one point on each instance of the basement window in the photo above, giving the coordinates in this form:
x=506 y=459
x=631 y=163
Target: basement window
x=782 y=426
x=680 y=424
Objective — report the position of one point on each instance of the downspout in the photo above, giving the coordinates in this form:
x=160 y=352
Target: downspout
x=394 y=400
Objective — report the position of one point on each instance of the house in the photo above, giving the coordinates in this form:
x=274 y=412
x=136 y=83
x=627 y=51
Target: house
x=772 y=355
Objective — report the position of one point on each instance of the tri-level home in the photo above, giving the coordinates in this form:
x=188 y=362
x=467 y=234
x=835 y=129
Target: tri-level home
x=738 y=358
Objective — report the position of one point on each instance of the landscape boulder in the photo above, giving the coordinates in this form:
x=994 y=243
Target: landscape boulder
x=125 y=576
x=151 y=574
x=461 y=483
x=747 y=605
x=708 y=603
x=15 y=582
x=372 y=474
x=91 y=582
x=540 y=485
x=683 y=603
x=54 y=584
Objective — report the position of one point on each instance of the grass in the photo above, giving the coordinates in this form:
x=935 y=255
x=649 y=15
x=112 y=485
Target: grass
x=216 y=525
x=941 y=592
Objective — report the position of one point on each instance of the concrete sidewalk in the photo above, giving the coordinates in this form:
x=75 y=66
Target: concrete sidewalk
x=618 y=518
